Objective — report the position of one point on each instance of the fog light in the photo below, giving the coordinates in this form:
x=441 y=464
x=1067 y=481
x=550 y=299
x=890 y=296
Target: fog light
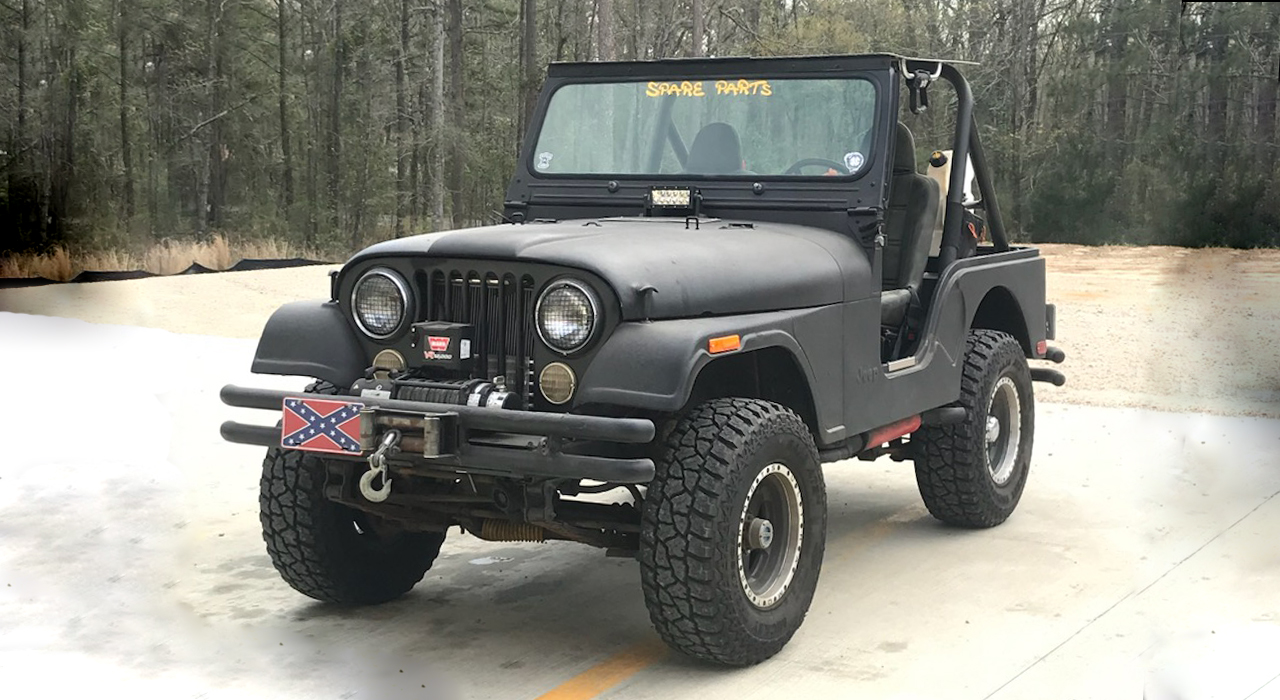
x=389 y=361
x=557 y=383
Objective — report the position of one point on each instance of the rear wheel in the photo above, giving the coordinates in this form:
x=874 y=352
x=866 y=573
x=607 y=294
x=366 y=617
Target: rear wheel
x=326 y=550
x=733 y=531
x=972 y=474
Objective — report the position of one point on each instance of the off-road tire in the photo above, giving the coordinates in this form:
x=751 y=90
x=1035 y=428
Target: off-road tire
x=953 y=469
x=329 y=551
x=690 y=541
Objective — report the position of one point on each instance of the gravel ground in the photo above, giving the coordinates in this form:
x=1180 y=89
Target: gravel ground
x=1157 y=327
x=1168 y=328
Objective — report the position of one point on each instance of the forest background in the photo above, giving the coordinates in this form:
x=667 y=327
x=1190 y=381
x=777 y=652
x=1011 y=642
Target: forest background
x=323 y=125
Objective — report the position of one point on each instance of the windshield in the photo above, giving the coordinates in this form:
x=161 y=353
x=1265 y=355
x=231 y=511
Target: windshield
x=780 y=127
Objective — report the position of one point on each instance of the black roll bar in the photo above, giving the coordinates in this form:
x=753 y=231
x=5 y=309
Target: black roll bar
x=966 y=145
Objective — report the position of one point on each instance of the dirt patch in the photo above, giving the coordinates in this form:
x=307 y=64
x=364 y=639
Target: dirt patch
x=1156 y=327
x=1168 y=328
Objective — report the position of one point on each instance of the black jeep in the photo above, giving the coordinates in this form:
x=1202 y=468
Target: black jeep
x=714 y=275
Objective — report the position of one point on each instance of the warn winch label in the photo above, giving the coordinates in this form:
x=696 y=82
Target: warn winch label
x=444 y=344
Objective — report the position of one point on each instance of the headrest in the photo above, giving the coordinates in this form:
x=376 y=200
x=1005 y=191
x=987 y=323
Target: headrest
x=904 y=151
x=715 y=150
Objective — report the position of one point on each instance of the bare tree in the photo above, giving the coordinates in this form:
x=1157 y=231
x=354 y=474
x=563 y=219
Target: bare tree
x=122 y=36
x=457 y=107
x=699 y=28
x=336 y=78
x=286 y=148
x=1216 y=122
x=604 y=30
x=402 y=120
x=1265 y=102
x=528 y=60
x=1115 y=44
x=435 y=179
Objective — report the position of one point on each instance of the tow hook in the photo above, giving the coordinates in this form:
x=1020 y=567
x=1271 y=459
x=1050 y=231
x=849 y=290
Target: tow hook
x=378 y=468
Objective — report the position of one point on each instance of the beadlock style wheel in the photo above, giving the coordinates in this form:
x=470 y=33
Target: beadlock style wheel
x=771 y=531
x=1004 y=430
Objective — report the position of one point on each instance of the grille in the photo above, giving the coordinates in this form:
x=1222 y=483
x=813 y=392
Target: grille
x=499 y=306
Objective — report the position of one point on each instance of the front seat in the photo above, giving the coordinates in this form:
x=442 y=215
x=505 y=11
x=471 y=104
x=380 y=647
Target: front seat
x=716 y=150
x=908 y=230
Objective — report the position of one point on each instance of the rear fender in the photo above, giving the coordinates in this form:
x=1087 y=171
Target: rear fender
x=310 y=339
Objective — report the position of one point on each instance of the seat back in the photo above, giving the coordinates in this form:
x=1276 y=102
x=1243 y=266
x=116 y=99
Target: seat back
x=716 y=150
x=909 y=221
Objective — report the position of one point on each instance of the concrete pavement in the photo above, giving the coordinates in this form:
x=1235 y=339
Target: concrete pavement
x=1143 y=556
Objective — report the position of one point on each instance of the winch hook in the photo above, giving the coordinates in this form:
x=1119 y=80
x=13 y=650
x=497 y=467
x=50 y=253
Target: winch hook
x=378 y=469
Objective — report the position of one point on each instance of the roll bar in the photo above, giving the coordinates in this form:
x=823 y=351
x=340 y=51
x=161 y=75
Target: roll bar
x=966 y=146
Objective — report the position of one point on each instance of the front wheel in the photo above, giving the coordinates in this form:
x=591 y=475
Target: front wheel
x=733 y=531
x=329 y=551
x=972 y=474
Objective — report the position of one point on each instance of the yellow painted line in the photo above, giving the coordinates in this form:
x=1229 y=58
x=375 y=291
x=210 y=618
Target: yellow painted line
x=608 y=673
x=637 y=657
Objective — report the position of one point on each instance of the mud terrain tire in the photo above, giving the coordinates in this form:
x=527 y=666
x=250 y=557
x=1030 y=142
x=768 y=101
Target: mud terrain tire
x=715 y=589
x=326 y=550
x=971 y=474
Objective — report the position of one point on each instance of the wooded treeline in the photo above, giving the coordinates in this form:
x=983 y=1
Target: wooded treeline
x=334 y=122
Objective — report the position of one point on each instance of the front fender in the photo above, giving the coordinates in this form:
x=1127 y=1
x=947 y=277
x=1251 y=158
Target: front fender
x=652 y=365
x=311 y=339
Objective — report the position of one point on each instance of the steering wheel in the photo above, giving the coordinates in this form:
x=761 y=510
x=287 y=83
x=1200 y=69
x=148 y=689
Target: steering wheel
x=806 y=162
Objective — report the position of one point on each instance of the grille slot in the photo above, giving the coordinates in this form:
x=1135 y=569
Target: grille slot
x=499 y=305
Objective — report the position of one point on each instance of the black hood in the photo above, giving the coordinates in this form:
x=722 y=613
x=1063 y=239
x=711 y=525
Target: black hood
x=715 y=269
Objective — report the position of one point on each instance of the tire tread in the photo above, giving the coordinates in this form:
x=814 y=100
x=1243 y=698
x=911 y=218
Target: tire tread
x=683 y=588
x=950 y=464
x=306 y=545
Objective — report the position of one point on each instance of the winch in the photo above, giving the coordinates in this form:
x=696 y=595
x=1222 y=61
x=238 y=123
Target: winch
x=461 y=392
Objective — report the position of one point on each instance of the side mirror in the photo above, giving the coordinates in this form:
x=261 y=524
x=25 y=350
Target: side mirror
x=918 y=86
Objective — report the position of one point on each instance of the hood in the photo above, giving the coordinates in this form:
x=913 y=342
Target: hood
x=718 y=268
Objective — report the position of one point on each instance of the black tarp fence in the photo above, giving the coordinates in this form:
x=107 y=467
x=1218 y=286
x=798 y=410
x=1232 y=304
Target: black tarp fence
x=194 y=269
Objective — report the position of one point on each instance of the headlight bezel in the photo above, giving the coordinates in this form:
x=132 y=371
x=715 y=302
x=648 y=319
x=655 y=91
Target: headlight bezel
x=406 y=297
x=593 y=301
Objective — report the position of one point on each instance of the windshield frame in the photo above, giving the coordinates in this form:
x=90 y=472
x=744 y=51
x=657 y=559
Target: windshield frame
x=749 y=69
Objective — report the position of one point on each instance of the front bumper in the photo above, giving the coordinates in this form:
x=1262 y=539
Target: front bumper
x=490 y=441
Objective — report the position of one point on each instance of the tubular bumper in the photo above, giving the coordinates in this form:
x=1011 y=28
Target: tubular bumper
x=535 y=454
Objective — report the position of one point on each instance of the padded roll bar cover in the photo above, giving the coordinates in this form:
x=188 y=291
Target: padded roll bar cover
x=310 y=339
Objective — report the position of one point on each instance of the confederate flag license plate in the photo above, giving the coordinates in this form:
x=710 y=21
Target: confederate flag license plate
x=317 y=425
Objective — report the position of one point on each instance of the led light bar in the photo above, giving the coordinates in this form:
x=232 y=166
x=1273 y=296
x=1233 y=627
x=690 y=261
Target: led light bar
x=671 y=198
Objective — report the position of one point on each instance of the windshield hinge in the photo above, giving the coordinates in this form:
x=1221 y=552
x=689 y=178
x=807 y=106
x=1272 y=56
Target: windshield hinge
x=874 y=226
x=876 y=212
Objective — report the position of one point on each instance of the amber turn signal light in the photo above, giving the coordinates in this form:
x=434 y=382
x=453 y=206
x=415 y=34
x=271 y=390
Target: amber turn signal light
x=724 y=344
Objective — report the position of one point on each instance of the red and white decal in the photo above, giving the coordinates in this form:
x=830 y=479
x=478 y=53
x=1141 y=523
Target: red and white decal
x=438 y=343
x=317 y=425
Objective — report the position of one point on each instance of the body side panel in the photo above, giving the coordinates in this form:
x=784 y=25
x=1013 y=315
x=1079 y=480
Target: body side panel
x=879 y=397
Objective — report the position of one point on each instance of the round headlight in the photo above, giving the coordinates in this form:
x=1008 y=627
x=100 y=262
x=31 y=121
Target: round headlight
x=567 y=315
x=379 y=301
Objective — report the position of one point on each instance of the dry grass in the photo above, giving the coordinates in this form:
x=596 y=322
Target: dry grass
x=164 y=258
